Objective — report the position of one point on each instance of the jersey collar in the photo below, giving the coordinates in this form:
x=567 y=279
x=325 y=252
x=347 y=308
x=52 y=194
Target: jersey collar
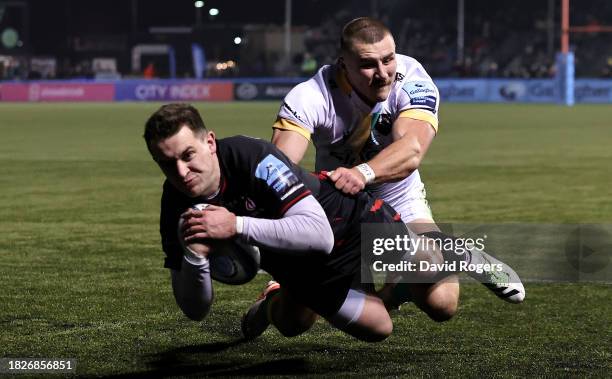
x=219 y=193
x=342 y=81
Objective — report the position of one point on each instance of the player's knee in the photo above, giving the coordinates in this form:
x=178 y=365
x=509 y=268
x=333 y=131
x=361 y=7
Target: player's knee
x=372 y=330
x=442 y=314
x=443 y=306
x=288 y=333
x=383 y=331
x=293 y=330
x=292 y=327
x=380 y=332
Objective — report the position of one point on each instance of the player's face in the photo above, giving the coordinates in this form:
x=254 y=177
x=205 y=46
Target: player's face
x=189 y=161
x=370 y=68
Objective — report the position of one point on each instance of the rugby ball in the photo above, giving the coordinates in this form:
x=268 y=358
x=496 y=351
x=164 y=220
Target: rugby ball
x=231 y=261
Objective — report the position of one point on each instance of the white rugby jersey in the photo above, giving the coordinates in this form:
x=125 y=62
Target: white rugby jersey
x=346 y=131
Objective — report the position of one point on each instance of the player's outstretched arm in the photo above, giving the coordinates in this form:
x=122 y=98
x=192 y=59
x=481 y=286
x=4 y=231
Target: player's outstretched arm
x=192 y=287
x=398 y=160
x=395 y=162
x=303 y=228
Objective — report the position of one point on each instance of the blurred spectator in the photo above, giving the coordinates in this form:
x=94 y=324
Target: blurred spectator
x=309 y=65
x=510 y=40
x=149 y=71
x=606 y=71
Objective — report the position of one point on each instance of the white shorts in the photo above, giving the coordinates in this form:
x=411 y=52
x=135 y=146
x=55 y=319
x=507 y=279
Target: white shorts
x=413 y=206
x=407 y=197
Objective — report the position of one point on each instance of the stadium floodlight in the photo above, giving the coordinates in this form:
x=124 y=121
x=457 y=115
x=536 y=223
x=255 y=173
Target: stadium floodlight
x=10 y=38
x=237 y=41
x=213 y=12
x=198 y=4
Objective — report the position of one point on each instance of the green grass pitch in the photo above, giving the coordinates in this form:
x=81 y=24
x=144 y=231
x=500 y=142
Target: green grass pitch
x=81 y=266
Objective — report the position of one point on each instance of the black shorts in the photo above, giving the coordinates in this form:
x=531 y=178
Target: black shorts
x=321 y=282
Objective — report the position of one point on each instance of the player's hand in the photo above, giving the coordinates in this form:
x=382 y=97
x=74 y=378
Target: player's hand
x=213 y=222
x=348 y=180
x=200 y=247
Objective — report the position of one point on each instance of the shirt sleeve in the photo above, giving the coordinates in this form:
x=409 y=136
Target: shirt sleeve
x=303 y=228
x=302 y=110
x=192 y=288
x=278 y=182
x=418 y=97
x=172 y=206
x=264 y=182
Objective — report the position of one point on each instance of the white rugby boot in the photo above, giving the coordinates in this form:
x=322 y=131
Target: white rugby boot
x=504 y=283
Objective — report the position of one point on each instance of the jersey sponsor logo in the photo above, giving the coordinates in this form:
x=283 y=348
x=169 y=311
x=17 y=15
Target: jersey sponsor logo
x=380 y=136
x=292 y=190
x=427 y=102
x=383 y=124
x=418 y=88
x=294 y=113
x=247 y=91
x=399 y=76
x=276 y=174
x=277 y=91
x=513 y=91
x=380 y=126
x=249 y=204
x=422 y=95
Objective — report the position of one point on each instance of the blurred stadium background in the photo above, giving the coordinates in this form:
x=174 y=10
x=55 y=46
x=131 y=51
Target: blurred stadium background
x=80 y=263
x=68 y=39
x=262 y=49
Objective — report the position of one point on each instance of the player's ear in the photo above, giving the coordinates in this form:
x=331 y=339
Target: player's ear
x=211 y=141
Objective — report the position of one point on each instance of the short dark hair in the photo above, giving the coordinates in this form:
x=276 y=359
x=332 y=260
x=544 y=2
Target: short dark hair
x=168 y=119
x=362 y=29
